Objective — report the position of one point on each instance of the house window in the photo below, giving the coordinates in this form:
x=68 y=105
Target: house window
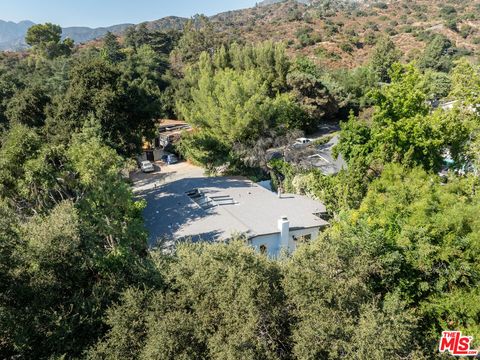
x=302 y=238
x=263 y=249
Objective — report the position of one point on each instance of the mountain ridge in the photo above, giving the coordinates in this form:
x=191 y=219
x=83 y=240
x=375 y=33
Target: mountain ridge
x=12 y=34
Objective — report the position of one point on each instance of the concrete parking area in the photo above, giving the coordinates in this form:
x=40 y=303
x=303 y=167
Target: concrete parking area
x=151 y=187
x=164 y=174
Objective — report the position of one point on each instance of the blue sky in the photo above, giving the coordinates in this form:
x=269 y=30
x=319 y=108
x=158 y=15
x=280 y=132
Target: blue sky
x=95 y=13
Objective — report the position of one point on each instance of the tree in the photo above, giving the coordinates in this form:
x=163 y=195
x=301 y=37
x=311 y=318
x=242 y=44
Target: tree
x=338 y=314
x=198 y=36
x=111 y=50
x=383 y=57
x=230 y=104
x=162 y=42
x=28 y=107
x=437 y=85
x=223 y=302
x=401 y=130
x=78 y=243
x=466 y=84
x=9 y=84
x=125 y=108
x=42 y=34
x=438 y=55
x=46 y=39
x=350 y=89
x=231 y=107
x=9 y=241
x=312 y=94
x=268 y=58
x=423 y=237
x=234 y=98
x=137 y=36
x=18 y=144
x=106 y=206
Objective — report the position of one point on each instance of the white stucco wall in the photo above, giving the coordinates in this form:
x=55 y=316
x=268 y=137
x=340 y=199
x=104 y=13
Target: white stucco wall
x=272 y=241
x=292 y=244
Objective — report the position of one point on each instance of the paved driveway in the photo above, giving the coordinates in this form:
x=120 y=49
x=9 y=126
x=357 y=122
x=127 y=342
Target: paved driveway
x=164 y=174
x=151 y=187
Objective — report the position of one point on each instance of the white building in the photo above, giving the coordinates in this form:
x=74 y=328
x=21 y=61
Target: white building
x=216 y=209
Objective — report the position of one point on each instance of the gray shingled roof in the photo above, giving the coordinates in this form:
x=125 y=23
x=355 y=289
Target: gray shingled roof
x=248 y=209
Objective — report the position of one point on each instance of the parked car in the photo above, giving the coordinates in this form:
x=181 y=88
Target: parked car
x=147 y=166
x=169 y=159
x=301 y=142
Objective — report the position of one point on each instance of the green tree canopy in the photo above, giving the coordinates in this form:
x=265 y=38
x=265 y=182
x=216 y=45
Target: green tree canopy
x=111 y=49
x=46 y=39
x=125 y=108
x=401 y=129
x=383 y=57
x=438 y=55
x=424 y=237
x=223 y=302
x=28 y=106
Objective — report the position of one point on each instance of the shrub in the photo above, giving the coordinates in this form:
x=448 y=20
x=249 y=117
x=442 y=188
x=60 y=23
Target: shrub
x=451 y=24
x=391 y=31
x=380 y=5
x=447 y=11
x=306 y=37
x=331 y=30
x=465 y=30
x=419 y=16
x=294 y=15
x=346 y=47
x=372 y=26
x=351 y=32
x=470 y=16
x=370 y=38
x=360 y=13
x=303 y=31
x=323 y=53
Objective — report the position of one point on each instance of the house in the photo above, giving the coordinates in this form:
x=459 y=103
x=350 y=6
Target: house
x=167 y=132
x=218 y=208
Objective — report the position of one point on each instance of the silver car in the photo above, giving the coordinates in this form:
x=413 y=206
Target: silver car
x=147 y=166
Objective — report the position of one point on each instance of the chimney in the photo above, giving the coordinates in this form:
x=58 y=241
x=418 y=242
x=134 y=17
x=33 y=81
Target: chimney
x=284 y=228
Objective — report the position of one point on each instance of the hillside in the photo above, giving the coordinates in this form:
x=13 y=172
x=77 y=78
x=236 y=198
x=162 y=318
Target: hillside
x=343 y=33
x=337 y=33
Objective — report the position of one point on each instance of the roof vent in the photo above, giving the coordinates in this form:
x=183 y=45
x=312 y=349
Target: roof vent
x=206 y=202
x=222 y=200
